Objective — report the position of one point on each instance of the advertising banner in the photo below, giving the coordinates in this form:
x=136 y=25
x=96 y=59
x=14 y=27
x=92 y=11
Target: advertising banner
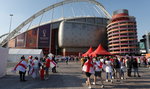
x=44 y=36
x=12 y=43
x=20 y=40
x=31 y=41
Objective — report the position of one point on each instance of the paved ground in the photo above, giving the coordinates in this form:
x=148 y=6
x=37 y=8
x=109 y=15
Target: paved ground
x=70 y=77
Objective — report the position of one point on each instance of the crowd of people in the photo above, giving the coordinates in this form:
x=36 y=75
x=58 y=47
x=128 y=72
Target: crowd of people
x=39 y=68
x=35 y=67
x=114 y=67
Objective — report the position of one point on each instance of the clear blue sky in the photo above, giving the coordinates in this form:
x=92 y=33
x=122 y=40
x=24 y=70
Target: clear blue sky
x=23 y=9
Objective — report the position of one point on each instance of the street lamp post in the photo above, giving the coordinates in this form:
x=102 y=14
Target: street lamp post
x=147 y=42
x=11 y=15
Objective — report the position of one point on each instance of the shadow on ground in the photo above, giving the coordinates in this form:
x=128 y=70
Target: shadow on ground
x=54 y=81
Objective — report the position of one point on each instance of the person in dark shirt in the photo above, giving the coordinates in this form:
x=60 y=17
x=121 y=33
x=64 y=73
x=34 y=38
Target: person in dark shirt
x=116 y=66
x=67 y=59
x=54 y=68
x=135 y=67
x=129 y=66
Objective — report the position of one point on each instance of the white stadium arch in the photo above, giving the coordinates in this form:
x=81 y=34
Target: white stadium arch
x=16 y=30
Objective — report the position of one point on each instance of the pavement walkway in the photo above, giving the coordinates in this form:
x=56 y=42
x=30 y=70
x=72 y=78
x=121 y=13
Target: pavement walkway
x=70 y=77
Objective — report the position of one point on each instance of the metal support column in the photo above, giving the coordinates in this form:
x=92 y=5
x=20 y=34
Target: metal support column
x=147 y=43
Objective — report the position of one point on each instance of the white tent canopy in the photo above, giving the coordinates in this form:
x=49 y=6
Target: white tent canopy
x=3 y=61
x=15 y=54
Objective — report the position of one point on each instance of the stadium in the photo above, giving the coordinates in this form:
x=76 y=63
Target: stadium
x=68 y=35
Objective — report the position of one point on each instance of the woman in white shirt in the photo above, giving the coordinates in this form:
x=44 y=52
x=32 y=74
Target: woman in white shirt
x=108 y=69
x=36 y=68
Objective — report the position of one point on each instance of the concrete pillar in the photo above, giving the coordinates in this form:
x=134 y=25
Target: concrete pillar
x=147 y=43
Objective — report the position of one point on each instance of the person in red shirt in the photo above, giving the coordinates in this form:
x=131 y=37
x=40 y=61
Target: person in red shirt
x=89 y=70
x=47 y=64
x=111 y=59
x=42 y=73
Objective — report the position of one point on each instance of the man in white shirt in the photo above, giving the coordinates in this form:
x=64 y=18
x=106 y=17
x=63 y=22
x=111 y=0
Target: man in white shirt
x=98 y=70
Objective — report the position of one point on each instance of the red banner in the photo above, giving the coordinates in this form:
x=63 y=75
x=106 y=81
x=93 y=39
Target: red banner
x=31 y=41
x=20 y=40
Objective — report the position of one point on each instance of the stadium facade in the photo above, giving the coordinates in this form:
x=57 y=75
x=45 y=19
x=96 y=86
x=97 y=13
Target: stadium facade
x=74 y=35
x=69 y=36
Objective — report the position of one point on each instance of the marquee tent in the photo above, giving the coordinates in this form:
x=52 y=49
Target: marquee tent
x=88 y=52
x=3 y=61
x=100 y=51
x=15 y=54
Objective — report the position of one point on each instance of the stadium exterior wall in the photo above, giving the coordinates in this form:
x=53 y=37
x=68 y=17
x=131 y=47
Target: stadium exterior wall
x=64 y=37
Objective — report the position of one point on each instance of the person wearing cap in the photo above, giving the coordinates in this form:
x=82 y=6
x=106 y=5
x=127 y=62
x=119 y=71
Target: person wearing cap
x=21 y=67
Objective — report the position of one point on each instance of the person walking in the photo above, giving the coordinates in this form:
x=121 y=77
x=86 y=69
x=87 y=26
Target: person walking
x=148 y=62
x=67 y=59
x=47 y=66
x=145 y=61
x=89 y=70
x=108 y=69
x=21 y=67
x=135 y=67
x=129 y=66
x=42 y=73
x=29 y=64
x=53 y=64
x=139 y=61
x=36 y=68
x=116 y=66
x=122 y=68
x=98 y=71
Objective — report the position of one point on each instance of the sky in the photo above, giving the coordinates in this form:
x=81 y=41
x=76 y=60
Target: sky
x=23 y=9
